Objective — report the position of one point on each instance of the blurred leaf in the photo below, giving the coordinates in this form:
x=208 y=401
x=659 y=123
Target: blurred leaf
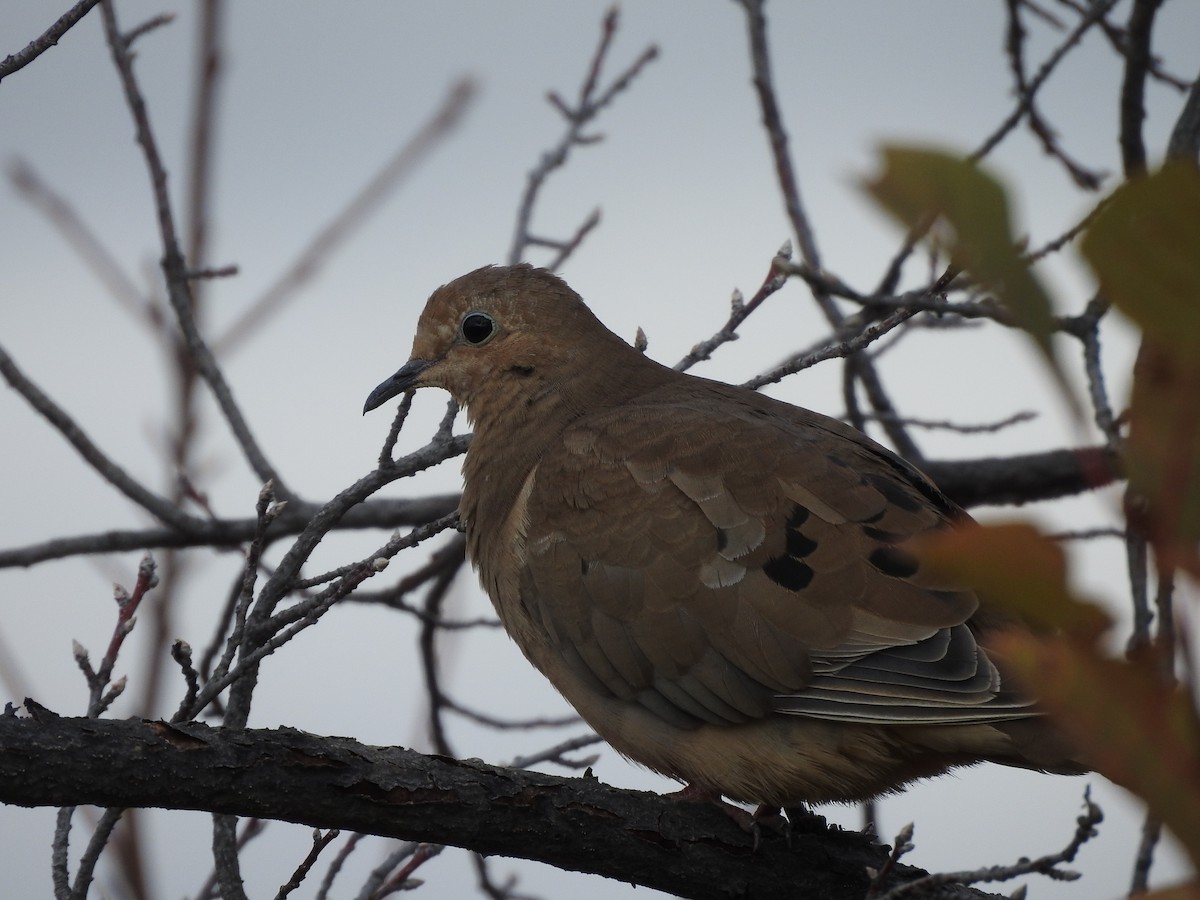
x=1189 y=891
x=919 y=185
x=1145 y=249
x=1179 y=892
x=1129 y=725
x=1018 y=568
x=1163 y=451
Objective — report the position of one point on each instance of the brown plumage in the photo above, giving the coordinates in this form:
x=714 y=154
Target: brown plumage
x=717 y=581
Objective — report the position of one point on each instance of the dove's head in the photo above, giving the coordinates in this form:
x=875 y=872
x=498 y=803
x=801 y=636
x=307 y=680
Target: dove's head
x=503 y=332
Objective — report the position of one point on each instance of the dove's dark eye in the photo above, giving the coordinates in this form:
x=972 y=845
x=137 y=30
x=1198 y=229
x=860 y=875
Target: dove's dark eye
x=477 y=327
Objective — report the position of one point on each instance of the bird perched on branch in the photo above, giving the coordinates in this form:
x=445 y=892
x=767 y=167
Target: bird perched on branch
x=716 y=580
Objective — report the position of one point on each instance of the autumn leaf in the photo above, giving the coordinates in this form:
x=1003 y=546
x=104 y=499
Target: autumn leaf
x=1145 y=250
x=1017 y=567
x=1130 y=725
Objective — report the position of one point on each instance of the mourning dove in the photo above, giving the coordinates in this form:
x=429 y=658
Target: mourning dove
x=716 y=580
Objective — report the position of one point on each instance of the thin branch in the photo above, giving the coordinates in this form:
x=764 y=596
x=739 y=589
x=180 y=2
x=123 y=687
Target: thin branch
x=157 y=506
x=49 y=38
x=1185 y=136
x=320 y=841
x=232 y=533
x=772 y=119
x=961 y=428
x=1133 y=88
x=1095 y=13
x=251 y=655
x=740 y=310
x=807 y=358
x=63 y=216
x=1085 y=830
x=354 y=214
x=173 y=265
x=588 y=106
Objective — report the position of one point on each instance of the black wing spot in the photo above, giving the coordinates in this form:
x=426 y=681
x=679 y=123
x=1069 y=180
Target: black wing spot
x=722 y=539
x=799 y=545
x=894 y=561
x=584 y=565
x=798 y=516
x=788 y=572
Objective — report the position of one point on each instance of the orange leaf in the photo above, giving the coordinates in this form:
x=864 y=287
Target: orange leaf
x=1018 y=568
x=1130 y=726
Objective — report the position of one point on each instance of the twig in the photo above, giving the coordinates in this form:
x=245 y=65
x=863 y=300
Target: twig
x=1087 y=534
x=252 y=829
x=1118 y=38
x=265 y=511
x=91 y=854
x=508 y=724
x=1047 y=865
x=1015 y=46
x=772 y=119
x=49 y=38
x=127 y=606
x=981 y=428
x=1133 y=87
x=1185 y=136
x=248 y=659
x=378 y=188
x=63 y=216
x=557 y=754
x=381 y=513
x=173 y=265
x=740 y=310
x=389 y=444
x=335 y=866
x=181 y=652
x=590 y=103
x=157 y=506
x=1095 y=13
x=427 y=646
x=203 y=135
x=807 y=358
x=320 y=840
x=403 y=879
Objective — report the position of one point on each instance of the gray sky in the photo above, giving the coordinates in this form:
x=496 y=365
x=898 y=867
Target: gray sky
x=315 y=97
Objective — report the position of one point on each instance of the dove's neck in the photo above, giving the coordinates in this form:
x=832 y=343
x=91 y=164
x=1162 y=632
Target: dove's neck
x=518 y=415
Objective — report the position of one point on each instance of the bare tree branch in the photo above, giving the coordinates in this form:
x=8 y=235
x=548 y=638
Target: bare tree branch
x=691 y=850
x=49 y=38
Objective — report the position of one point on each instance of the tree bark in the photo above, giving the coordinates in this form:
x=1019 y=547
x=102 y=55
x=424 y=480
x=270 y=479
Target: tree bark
x=580 y=824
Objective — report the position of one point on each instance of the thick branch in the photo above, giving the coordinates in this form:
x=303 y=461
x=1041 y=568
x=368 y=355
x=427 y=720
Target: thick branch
x=687 y=849
x=972 y=482
x=1024 y=479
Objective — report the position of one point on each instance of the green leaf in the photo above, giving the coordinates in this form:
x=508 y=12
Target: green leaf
x=919 y=186
x=1145 y=249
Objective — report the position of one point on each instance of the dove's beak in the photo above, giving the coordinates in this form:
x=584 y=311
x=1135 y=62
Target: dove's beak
x=399 y=383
